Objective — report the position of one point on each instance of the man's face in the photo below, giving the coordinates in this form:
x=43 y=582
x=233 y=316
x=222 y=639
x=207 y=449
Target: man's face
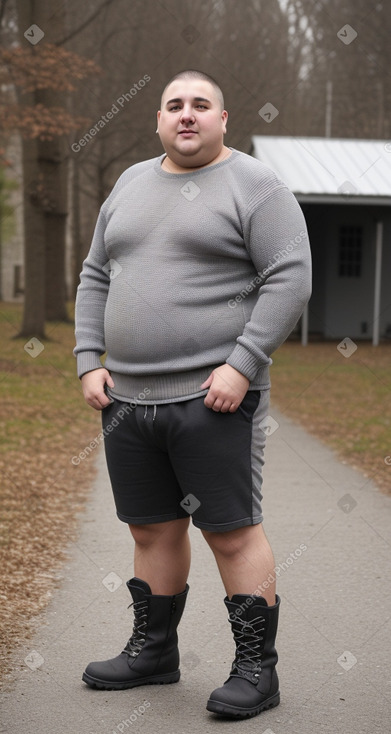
x=191 y=123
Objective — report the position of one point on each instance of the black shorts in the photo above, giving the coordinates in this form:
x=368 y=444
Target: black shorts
x=172 y=460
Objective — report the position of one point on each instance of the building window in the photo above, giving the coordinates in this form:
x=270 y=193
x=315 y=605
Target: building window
x=350 y=251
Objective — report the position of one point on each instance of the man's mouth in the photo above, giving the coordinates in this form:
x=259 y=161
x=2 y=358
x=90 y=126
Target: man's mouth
x=187 y=133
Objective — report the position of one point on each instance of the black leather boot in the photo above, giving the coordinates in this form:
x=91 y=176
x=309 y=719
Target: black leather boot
x=151 y=654
x=252 y=685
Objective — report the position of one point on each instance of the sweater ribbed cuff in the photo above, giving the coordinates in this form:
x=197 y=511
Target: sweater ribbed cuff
x=87 y=361
x=245 y=362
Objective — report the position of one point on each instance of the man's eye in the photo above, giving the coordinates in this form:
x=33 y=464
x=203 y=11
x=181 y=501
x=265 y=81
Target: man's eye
x=172 y=109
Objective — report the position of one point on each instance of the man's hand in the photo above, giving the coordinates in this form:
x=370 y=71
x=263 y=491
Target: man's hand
x=93 y=384
x=227 y=388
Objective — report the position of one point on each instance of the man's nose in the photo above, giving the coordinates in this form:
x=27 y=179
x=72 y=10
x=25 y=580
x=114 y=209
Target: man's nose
x=187 y=114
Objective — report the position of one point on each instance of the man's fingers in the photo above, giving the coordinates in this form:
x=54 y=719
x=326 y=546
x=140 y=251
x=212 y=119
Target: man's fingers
x=217 y=407
x=94 y=403
x=99 y=401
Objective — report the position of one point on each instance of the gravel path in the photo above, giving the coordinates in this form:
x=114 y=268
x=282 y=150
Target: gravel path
x=330 y=531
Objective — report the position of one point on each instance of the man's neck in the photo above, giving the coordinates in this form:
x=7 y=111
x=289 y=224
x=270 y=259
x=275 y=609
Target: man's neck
x=171 y=167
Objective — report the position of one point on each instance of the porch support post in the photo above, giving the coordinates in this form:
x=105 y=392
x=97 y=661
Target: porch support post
x=377 y=286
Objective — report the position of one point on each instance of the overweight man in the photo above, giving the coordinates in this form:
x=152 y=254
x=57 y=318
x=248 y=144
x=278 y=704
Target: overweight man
x=198 y=270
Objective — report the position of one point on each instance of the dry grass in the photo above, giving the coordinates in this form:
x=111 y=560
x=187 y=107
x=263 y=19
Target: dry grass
x=44 y=423
x=346 y=402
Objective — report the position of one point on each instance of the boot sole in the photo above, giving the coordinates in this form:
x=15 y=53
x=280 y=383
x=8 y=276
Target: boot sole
x=225 y=709
x=107 y=685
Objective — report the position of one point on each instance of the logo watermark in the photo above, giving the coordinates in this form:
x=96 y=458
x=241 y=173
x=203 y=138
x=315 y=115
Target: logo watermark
x=347 y=347
x=260 y=277
x=125 y=723
x=110 y=114
x=124 y=410
x=283 y=566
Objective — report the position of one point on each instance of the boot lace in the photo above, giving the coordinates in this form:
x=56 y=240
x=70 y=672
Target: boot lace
x=135 y=643
x=249 y=647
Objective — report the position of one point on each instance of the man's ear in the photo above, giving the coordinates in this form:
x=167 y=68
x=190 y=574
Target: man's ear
x=224 y=117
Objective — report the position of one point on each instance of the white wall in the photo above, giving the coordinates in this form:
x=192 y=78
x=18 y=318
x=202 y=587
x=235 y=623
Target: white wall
x=340 y=305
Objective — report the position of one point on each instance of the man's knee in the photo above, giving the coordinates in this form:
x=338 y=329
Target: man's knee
x=223 y=543
x=143 y=534
x=162 y=532
x=233 y=542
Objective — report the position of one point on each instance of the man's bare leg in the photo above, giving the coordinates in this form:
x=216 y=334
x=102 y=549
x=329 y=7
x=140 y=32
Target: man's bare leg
x=151 y=655
x=245 y=560
x=162 y=555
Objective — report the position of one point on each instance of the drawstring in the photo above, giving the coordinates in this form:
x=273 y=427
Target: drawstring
x=154 y=412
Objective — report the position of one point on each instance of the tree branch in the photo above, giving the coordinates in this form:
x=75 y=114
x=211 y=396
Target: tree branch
x=3 y=3
x=83 y=25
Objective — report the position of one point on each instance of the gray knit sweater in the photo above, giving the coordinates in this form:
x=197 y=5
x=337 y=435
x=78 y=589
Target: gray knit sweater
x=189 y=271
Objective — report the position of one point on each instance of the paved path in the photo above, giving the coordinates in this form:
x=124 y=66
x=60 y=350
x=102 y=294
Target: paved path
x=334 y=636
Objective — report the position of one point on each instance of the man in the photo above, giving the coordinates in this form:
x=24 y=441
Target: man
x=198 y=270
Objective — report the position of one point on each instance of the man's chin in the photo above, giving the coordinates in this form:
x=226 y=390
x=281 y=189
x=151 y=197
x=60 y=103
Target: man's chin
x=189 y=158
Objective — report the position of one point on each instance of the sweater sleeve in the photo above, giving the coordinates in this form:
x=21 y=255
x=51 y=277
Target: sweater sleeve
x=91 y=302
x=277 y=241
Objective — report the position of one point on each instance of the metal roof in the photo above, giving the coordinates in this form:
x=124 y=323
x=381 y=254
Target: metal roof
x=333 y=170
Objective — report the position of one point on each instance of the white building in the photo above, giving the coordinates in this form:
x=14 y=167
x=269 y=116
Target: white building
x=344 y=189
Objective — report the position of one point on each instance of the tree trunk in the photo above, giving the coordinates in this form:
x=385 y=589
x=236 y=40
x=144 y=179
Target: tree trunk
x=45 y=198
x=55 y=286
x=77 y=243
x=33 y=323
x=53 y=163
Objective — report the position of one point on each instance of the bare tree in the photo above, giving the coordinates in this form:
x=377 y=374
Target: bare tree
x=348 y=54
x=43 y=121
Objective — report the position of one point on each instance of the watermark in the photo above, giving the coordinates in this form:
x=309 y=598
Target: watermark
x=125 y=723
x=123 y=411
x=269 y=425
x=268 y=112
x=34 y=660
x=110 y=114
x=190 y=34
x=347 y=503
x=348 y=188
x=190 y=660
x=112 y=268
x=347 y=660
x=34 y=347
x=347 y=34
x=387 y=460
x=283 y=566
x=272 y=263
x=112 y=581
x=347 y=347
x=34 y=34
x=190 y=503
x=190 y=190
